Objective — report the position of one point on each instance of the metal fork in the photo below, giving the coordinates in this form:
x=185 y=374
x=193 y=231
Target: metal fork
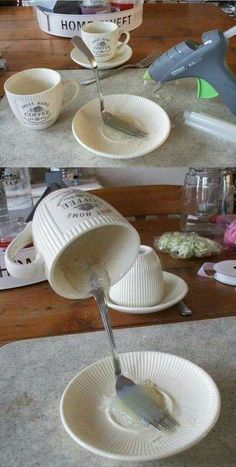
x=182 y=307
x=129 y=392
x=107 y=117
x=144 y=63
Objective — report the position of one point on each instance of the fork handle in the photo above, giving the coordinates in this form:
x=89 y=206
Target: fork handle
x=85 y=82
x=184 y=309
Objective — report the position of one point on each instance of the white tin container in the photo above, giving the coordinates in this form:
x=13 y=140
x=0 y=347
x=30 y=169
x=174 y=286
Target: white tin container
x=66 y=25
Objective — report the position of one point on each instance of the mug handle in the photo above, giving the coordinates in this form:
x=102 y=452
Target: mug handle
x=202 y=271
x=121 y=31
x=69 y=83
x=18 y=270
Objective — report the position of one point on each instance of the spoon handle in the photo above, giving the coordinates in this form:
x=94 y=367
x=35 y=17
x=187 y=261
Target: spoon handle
x=79 y=43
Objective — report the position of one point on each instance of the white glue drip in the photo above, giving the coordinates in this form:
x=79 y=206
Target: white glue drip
x=85 y=276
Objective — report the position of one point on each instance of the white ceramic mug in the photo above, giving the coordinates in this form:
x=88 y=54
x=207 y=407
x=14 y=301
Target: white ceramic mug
x=143 y=285
x=102 y=39
x=36 y=96
x=72 y=230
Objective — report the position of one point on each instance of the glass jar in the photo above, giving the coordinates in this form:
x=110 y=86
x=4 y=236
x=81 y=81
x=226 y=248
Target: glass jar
x=18 y=191
x=91 y=7
x=12 y=221
x=206 y=194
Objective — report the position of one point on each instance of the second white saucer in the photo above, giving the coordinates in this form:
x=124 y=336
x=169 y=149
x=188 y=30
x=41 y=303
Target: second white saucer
x=122 y=55
x=175 y=289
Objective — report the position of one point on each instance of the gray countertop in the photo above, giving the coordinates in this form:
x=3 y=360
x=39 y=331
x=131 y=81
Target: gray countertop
x=35 y=373
x=56 y=146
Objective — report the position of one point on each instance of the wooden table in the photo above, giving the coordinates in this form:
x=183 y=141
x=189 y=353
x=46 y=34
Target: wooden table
x=36 y=311
x=24 y=45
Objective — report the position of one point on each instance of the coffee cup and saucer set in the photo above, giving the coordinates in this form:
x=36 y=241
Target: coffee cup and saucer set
x=103 y=41
x=146 y=288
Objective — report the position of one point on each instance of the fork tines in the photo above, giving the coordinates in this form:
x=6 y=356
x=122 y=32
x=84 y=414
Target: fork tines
x=156 y=86
x=164 y=423
x=150 y=58
x=115 y=122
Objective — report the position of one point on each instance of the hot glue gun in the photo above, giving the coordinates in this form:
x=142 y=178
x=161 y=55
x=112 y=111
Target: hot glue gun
x=205 y=61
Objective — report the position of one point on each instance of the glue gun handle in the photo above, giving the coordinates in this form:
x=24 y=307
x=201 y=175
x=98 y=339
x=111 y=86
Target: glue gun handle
x=224 y=82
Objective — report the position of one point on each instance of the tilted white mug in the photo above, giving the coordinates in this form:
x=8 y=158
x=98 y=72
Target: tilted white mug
x=36 y=96
x=143 y=285
x=70 y=230
x=102 y=38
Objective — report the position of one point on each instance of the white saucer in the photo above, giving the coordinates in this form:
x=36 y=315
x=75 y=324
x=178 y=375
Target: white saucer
x=90 y=131
x=175 y=289
x=122 y=55
x=189 y=393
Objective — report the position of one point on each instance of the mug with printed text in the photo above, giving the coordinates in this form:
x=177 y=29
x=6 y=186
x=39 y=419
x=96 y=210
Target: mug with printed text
x=73 y=233
x=36 y=96
x=102 y=38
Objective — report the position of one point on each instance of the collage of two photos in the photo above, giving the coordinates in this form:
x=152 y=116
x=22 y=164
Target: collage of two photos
x=117 y=232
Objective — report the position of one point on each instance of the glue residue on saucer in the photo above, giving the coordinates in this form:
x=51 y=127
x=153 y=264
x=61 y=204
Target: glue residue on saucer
x=122 y=409
x=119 y=136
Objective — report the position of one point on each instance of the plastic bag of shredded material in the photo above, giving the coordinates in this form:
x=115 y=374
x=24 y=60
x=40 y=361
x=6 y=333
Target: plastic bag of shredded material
x=186 y=245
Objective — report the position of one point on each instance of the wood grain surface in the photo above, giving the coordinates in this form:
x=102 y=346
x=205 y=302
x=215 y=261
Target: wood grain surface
x=24 y=45
x=36 y=311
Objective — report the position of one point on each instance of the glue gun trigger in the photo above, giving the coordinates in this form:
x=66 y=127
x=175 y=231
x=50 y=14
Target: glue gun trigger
x=205 y=90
